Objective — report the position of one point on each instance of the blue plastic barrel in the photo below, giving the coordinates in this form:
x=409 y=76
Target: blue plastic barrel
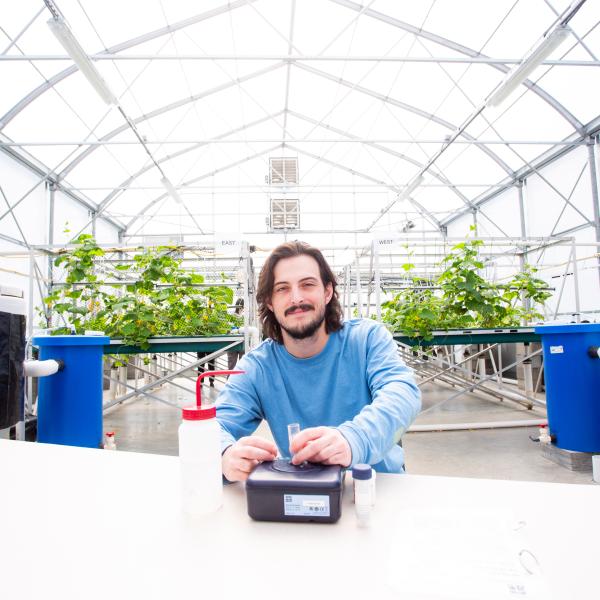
x=572 y=384
x=70 y=402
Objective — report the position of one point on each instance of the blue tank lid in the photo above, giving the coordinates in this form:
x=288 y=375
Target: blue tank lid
x=568 y=328
x=70 y=340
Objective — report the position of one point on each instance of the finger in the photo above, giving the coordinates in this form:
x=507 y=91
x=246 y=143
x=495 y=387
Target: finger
x=335 y=459
x=311 y=451
x=258 y=442
x=235 y=475
x=254 y=453
x=244 y=465
x=329 y=451
x=307 y=435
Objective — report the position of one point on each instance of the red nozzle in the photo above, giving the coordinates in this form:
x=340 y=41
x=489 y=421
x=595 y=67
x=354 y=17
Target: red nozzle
x=209 y=374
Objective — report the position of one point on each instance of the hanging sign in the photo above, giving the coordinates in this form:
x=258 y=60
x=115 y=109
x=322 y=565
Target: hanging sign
x=228 y=244
x=384 y=240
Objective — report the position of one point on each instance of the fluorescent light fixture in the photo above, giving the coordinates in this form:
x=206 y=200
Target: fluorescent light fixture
x=171 y=189
x=410 y=188
x=68 y=41
x=522 y=71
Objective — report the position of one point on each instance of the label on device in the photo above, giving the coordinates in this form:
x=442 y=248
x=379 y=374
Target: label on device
x=302 y=505
x=556 y=350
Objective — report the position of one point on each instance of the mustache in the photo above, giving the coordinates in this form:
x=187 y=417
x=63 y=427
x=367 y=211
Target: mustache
x=297 y=306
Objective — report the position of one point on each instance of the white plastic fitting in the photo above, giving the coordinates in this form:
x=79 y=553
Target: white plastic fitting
x=41 y=368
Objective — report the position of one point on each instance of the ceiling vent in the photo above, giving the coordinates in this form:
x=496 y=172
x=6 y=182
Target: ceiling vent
x=283 y=171
x=285 y=213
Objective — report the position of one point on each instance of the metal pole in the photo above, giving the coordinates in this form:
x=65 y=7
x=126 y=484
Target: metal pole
x=369 y=283
x=595 y=201
x=575 y=280
x=562 y=284
x=347 y=291
x=522 y=256
x=245 y=254
x=358 y=289
x=377 y=280
x=51 y=199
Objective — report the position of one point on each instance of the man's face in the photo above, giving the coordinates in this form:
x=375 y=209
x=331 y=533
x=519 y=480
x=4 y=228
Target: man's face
x=299 y=297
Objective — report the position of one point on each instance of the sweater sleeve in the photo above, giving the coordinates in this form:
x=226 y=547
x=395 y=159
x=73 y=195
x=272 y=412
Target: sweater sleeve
x=395 y=401
x=239 y=410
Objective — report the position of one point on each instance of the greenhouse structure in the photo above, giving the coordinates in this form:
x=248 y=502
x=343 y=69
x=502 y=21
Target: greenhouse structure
x=375 y=222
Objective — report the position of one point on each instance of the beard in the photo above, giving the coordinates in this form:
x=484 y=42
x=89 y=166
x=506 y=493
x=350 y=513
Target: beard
x=301 y=332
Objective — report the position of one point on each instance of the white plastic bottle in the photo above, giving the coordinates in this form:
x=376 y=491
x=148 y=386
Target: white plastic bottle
x=200 y=455
x=200 y=458
x=109 y=441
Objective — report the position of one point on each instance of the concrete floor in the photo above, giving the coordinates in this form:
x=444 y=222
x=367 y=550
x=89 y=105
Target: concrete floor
x=149 y=426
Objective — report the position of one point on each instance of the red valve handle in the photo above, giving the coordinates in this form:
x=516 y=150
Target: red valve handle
x=209 y=374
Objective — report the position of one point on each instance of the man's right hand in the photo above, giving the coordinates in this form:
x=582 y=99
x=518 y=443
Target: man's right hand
x=238 y=461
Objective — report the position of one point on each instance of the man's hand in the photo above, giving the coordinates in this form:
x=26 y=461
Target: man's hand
x=238 y=461
x=321 y=444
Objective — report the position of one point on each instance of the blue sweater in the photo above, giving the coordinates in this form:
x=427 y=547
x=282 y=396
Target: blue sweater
x=357 y=383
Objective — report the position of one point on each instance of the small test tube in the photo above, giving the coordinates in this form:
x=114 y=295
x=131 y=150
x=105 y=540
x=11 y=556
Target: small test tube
x=364 y=493
x=293 y=430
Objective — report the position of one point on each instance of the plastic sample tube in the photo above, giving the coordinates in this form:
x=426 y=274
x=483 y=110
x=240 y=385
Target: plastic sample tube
x=293 y=430
x=363 y=493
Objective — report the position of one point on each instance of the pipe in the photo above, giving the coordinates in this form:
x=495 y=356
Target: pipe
x=482 y=425
x=42 y=368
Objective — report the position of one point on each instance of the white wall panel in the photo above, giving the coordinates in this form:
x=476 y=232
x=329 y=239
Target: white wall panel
x=545 y=208
x=501 y=216
x=17 y=182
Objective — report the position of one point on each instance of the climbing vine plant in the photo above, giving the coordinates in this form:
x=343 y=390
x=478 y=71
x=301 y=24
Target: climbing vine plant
x=157 y=296
x=461 y=298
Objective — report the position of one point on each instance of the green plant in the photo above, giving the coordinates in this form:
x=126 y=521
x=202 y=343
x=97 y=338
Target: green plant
x=78 y=303
x=158 y=298
x=460 y=297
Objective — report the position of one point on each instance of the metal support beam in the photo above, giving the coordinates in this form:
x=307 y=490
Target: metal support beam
x=523 y=255
x=594 y=187
x=408 y=107
x=288 y=74
x=51 y=200
x=474 y=60
x=420 y=32
x=426 y=214
x=142 y=39
x=347 y=139
x=529 y=169
x=169 y=107
x=12 y=240
x=350 y=137
x=205 y=176
x=126 y=184
x=45 y=176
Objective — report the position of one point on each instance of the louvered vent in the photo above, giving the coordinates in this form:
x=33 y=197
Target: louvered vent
x=285 y=213
x=283 y=171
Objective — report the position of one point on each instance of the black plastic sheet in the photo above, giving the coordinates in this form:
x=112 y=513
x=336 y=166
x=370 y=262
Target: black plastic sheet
x=12 y=355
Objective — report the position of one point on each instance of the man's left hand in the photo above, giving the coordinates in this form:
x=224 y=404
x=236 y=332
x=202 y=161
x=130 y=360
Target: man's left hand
x=321 y=445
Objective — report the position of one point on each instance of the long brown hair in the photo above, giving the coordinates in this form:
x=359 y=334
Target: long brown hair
x=333 y=310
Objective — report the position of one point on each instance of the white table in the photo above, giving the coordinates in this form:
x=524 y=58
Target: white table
x=85 y=524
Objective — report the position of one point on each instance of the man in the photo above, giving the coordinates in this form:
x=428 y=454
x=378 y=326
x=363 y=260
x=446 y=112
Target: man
x=344 y=383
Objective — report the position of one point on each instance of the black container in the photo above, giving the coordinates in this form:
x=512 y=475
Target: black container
x=12 y=355
x=279 y=491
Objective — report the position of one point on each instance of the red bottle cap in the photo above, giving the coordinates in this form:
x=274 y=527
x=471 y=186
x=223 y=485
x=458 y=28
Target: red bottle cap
x=196 y=413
